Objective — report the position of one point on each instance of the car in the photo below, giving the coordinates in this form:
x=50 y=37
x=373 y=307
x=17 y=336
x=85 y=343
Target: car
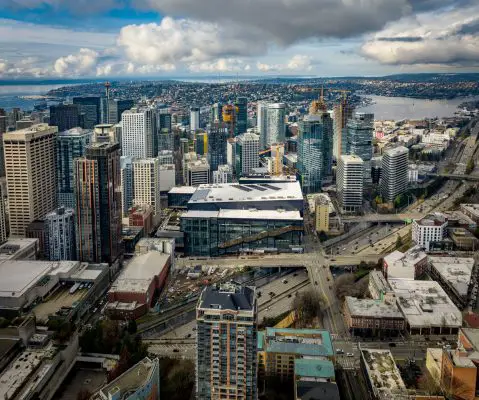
x=285 y=281
x=194 y=328
x=289 y=295
x=392 y=344
x=447 y=346
x=316 y=283
x=340 y=351
x=328 y=278
x=295 y=274
x=189 y=335
x=176 y=351
x=349 y=354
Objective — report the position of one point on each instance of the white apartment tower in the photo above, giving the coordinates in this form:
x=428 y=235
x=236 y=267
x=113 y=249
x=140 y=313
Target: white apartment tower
x=247 y=153
x=146 y=183
x=138 y=128
x=394 y=173
x=31 y=178
x=262 y=122
x=194 y=119
x=60 y=227
x=276 y=126
x=350 y=183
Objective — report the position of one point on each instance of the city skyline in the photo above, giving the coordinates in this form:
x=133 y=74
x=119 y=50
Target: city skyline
x=160 y=38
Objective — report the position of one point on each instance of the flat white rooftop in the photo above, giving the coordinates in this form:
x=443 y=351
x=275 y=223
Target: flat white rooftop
x=140 y=271
x=233 y=192
x=372 y=308
x=245 y=214
x=17 y=276
x=9 y=249
x=456 y=271
x=183 y=190
x=425 y=304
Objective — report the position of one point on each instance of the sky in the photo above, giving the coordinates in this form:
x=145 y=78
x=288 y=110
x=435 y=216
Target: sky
x=164 y=38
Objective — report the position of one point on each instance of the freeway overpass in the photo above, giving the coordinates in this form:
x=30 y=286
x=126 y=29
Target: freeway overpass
x=383 y=217
x=279 y=260
x=460 y=177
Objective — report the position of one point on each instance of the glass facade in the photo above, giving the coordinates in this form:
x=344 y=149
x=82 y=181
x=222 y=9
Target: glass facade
x=315 y=151
x=241 y=115
x=360 y=140
x=217 y=140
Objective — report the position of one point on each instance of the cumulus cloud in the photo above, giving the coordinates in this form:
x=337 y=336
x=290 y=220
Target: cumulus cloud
x=25 y=67
x=82 y=63
x=186 y=41
x=298 y=63
x=448 y=37
x=220 y=65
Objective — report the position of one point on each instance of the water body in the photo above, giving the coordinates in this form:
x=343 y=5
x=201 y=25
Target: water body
x=397 y=108
x=11 y=95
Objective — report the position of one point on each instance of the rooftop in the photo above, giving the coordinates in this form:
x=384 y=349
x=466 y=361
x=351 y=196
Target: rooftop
x=229 y=296
x=455 y=271
x=471 y=208
x=304 y=342
x=139 y=272
x=472 y=335
x=75 y=132
x=317 y=390
x=395 y=151
x=383 y=372
x=136 y=377
x=183 y=190
x=425 y=304
x=313 y=368
x=231 y=192
x=372 y=308
x=351 y=159
x=9 y=249
x=435 y=219
x=245 y=214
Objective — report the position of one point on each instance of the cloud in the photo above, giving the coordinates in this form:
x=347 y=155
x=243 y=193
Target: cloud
x=72 y=6
x=220 y=65
x=26 y=68
x=183 y=40
x=447 y=37
x=298 y=63
x=288 y=21
x=82 y=63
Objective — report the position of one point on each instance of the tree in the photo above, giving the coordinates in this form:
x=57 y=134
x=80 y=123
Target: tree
x=308 y=306
x=347 y=285
x=399 y=242
x=378 y=199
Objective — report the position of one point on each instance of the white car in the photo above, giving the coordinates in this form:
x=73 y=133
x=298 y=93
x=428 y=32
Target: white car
x=349 y=354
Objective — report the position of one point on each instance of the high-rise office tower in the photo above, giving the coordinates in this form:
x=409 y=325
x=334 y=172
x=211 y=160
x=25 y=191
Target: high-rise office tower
x=98 y=203
x=3 y=129
x=360 y=140
x=106 y=133
x=247 y=153
x=217 y=139
x=201 y=143
x=116 y=108
x=229 y=119
x=343 y=112
x=226 y=358
x=166 y=140
x=60 y=229
x=196 y=170
x=315 y=147
x=241 y=115
x=394 y=178
x=164 y=120
x=224 y=174
x=194 y=119
x=138 y=129
x=70 y=144
x=31 y=178
x=167 y=177
x=262 y=122
x=231 y=153
x=64 y=116
x=216 y=113
x=127 y=186
x=275 y=126
x=90 y=108
x=184 y=146
x=350 y=182
x=146 y=182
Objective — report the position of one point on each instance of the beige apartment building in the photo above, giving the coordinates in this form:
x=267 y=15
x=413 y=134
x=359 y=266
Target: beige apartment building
x=30 y=171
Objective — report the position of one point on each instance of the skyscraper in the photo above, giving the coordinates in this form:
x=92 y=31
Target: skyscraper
x=343 y=112
x=3 y=216
x=262 y=122
x=138 y=129
x=229 y=119
x=350 y=180
x=98 y=203
x=127 y=185
x=64 y=116
x=201 y=143
x=31 y=178
x=275 y=127
x=315 y=146
x=394 y=178
x=217 y=139
x=277 y=155
x=215 y=113
x=226 y=360
x=360 y=140
x=116 y=108
x=164 y=120
x=90 y=108
x=241 y=115
x=194 y=119
x=60 y=229
x=165 y=157
x=166 y=140
x=70 y=144
x=247 y=149
x=146 y=183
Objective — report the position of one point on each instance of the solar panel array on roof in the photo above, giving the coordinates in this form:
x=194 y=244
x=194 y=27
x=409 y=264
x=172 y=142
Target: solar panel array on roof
x=270 y=186
x=257 y=187
x=244 y=188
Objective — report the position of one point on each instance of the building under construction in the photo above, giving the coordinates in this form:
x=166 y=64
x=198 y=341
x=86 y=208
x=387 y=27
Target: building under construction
x=233 y=218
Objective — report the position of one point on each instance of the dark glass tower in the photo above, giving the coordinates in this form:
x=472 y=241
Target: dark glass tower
x=241 y=115
x=217 y=145
x=90 y=108
x=64 y=116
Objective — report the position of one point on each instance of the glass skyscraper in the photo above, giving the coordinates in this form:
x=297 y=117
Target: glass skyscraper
x=226 y=361
x=315 y=148
x=90 y=109
x=241 y=115
x=360 y=140
x=217 y=139
x=70 y=144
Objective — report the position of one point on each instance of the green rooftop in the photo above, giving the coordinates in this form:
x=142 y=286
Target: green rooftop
x=313 y=368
